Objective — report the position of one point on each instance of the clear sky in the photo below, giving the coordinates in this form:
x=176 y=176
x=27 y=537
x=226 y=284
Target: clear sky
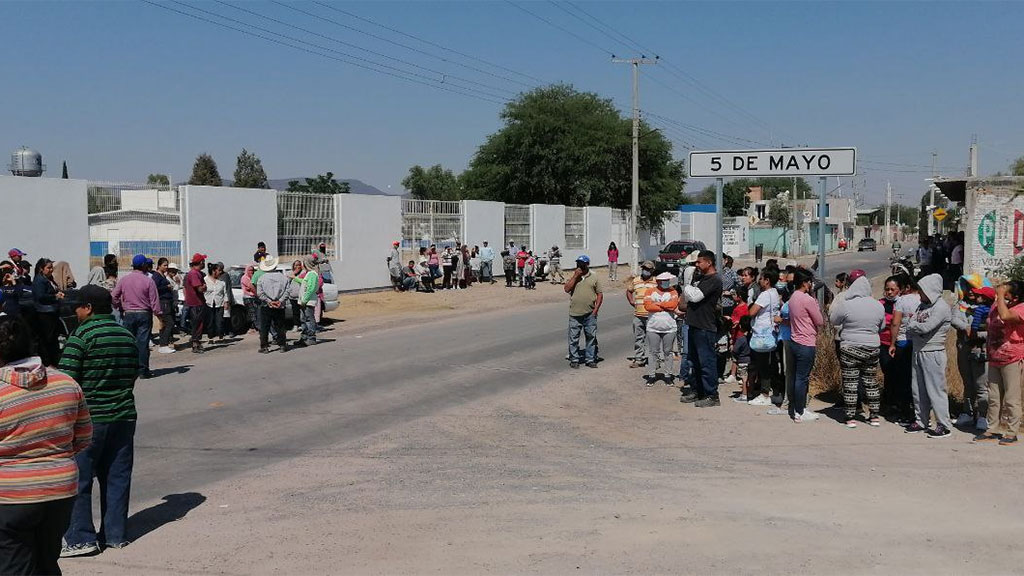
x=122 y=89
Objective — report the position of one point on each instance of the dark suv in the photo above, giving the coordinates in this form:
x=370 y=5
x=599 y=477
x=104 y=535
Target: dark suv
x=867 y=244
x=675 y=252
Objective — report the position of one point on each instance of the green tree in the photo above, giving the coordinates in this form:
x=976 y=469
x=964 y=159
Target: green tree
x=158 y=180
x=249 y=171
x=561 y=146
x=1017 y=168
x=322 y=184
x=779 y=213
x=204 y=172
x=434 y=183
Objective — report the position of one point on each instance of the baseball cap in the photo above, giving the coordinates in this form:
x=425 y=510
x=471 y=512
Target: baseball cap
x=97 y=297
x=854 y=274
x=197 y=257
x=584 y=258
x=395 y=243
x=139 y=261
x=648 y=265
x=986 y=291
x=15 y=252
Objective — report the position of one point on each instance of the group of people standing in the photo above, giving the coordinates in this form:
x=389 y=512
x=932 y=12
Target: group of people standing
x=451 y=268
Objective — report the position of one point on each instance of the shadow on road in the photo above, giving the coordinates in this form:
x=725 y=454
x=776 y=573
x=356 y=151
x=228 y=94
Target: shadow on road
x=173 y=370
x=174 y=507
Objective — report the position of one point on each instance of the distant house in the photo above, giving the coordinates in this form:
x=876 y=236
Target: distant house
x=148 y=222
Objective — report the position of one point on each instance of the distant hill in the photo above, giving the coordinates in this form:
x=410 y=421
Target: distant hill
x=357 y=186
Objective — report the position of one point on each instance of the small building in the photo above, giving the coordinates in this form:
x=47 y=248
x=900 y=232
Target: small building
x=992 y=219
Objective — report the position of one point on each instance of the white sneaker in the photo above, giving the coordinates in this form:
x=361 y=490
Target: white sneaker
x=809 y=416
x=730 y=379
x=982 y=423
x=964 y=419
x=167 y=350
x=761 y=400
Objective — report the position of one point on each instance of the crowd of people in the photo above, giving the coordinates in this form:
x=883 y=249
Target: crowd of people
x=458 y=267
x=67 y=413
x=759 y=329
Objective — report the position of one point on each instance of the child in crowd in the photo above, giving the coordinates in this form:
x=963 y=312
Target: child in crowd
x=970 y=319
x=741 y=356
x=509 y=263
x=528 y=269
x=739 y=311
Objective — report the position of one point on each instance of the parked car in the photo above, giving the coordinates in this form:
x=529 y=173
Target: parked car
x=675 y=252
x=240 y=320
x=867 y=244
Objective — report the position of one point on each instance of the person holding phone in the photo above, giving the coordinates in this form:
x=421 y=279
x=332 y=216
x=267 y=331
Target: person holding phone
x=585 y=298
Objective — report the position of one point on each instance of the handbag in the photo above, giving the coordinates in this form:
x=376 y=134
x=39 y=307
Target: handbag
x=763 y=342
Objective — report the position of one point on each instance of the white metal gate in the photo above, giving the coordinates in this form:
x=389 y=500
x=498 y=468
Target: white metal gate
x=426 y=222
x=576 y=228
x=518 y=224
x=305 y=220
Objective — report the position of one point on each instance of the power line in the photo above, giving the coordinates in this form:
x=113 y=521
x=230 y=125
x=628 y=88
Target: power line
x=352 y=62
x=563 y=29
x=441 y=73
x=609 y=28
x=429 y=43
x=706 y=131
x=576 y=16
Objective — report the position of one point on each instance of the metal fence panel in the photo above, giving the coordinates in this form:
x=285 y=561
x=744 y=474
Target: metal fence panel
x=426 y=222
x=132 y=218
x=575 y=228
x=518 y=224
x=305 y=220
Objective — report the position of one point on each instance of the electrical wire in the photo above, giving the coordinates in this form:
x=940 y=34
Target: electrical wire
x=348 y=60
x=367 y=50
x=562 y=28
x=706 y=131
x=428 y=43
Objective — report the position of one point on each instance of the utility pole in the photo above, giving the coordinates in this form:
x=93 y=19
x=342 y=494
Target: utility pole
x=634 y=207
x=972 y=170
x=888 y=208
x=931 y=201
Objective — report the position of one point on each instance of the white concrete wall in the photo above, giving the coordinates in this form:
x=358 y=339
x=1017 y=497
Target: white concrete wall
x=227 y=223
x=704 y=227
x=484 y=221
x=599 y=234
x=132 y=230
x=368 y=226
x=549 y=230
x=736 y=236
x=47 y=218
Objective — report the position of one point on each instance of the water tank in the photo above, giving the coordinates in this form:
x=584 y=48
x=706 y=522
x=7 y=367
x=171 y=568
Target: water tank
x=27 y=162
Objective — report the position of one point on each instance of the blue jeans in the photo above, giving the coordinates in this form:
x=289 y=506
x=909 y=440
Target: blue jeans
x=804 y=360
x=485 y=271
x=309 y=324
x=141 y=325
x=109 y=458
x=588 y=325
x=683 y=340
x=704 y=361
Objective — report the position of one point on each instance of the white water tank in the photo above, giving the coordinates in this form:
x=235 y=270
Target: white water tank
x=27 y=162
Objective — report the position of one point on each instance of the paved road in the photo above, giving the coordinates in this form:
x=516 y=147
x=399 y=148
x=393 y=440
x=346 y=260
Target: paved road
x=468 y=446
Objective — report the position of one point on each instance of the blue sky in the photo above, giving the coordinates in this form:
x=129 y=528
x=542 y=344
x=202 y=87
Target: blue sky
x=122 y=89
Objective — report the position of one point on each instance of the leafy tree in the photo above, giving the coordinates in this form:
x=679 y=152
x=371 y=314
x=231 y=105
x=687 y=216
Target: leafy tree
x=779 y=213
x=64 y=171
x=322 y=184
x=1017 y=168
x=249 y=171
x=158 y=180
x=434 y=183
x=561 y=146
x=204 y=172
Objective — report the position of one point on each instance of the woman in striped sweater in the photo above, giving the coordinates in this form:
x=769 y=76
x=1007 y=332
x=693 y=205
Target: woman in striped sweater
x=44 y=422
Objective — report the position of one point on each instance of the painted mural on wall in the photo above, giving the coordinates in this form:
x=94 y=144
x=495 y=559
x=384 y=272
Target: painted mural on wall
x=995 y=233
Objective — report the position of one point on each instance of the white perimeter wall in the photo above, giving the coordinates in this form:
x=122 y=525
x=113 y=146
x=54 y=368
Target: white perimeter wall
x=482 y=221
x=369 y=224
x=227 y=223
x=549 y=229
x=704 y=227
x=599 y=234
x=737 y=236
x=46 y=217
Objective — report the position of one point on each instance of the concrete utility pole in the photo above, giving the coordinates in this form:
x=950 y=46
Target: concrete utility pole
x=888 y=208
x=634 y=208
x=972 y=170
x=931 y=200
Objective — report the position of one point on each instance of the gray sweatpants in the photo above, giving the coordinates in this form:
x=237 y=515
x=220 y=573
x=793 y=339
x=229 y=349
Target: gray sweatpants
x=639 y=339
x=928 y=384
x=661 y=359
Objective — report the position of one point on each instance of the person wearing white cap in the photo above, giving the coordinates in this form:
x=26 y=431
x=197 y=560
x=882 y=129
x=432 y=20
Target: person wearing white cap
x=661 y=305
x=272 y=293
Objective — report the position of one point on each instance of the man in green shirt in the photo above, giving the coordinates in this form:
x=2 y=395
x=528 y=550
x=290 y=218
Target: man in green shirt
x=585 y=297
x=102 y=357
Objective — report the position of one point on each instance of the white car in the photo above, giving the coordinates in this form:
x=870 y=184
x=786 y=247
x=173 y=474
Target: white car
x=240 y=320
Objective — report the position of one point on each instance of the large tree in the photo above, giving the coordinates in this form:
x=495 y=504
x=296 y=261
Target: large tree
x=322 y=184
x=560 y=146
x=434 y=183
x=1017 y=167
x=158 y=180
x=249 y=171
x=204 y=172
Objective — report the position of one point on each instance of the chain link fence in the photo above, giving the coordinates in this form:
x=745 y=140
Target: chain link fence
x=305 y=220
x=131 y=218
x=576 y=228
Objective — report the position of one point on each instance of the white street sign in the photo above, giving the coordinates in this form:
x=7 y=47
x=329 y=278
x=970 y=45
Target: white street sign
x=781 y=162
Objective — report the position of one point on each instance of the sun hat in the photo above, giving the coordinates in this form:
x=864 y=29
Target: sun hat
x=691 y=257
x=173 y=266
x=665 y=276
x=269 y=264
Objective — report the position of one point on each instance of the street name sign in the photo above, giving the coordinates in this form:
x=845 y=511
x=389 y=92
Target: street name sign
x=780 y=162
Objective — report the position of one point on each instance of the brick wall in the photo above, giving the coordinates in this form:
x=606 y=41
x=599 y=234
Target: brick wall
x=994 y=232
